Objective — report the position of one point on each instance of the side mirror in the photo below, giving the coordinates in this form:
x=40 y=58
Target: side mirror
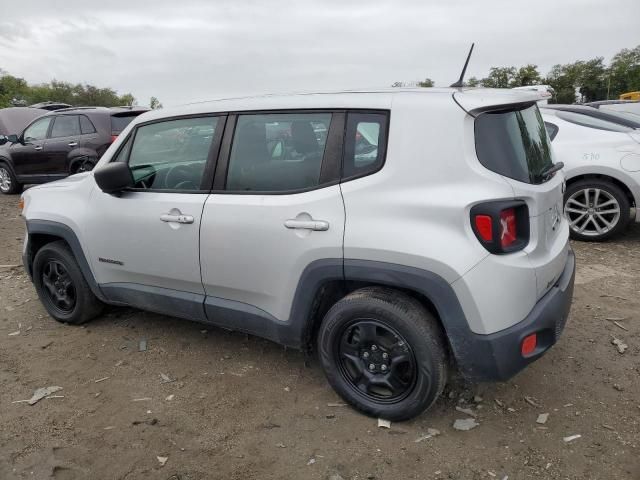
x=13 y=139
x=113 y=177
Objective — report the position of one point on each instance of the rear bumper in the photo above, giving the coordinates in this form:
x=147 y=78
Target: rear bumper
x=498 y=356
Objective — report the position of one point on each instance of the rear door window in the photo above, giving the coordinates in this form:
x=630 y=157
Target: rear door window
x=277 y=152
x=86 y=126
x=514 y=144
x=65 y=126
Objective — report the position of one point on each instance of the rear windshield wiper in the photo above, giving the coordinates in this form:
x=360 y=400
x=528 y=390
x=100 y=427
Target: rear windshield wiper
x=550 y=170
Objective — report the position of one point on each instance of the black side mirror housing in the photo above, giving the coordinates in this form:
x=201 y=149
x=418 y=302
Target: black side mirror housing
x=13 y=138
x=113 y=177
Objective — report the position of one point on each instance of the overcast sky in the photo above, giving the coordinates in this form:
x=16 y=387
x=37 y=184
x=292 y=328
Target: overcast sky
x=193 y=50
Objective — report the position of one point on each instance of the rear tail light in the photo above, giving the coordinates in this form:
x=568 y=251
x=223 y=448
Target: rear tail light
x=114 y=138
x=501 y=226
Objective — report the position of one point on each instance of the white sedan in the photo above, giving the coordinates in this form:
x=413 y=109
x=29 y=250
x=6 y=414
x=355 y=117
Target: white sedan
x=602 y=169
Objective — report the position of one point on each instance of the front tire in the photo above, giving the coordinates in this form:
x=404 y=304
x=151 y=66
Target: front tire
x=61 y=287
x=597 y=210
x=384 y=353
x=8 y=183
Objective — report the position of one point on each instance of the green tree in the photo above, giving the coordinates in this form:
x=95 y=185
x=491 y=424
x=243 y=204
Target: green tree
x=624 y=72
x=473 y=82
x=154 y=103
x=499 y=77
x=527 y=75
x=427 y=82
x=587 y=78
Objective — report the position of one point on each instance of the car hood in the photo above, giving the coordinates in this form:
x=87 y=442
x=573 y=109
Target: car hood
x=68 y=182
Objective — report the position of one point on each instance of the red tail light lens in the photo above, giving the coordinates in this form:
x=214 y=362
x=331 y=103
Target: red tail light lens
x=529 y=344
x=501 y=226
x=113 y=138
x=508 y=230
x=484 y=227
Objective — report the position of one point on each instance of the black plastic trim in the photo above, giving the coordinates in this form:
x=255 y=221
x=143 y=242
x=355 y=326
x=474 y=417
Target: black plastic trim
x=160 y=300
x=65 y=233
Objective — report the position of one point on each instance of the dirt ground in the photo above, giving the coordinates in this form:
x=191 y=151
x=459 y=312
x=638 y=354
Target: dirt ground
x=238 y=407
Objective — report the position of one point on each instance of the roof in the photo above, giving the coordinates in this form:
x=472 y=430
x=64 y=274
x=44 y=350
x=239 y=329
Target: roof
x=375 y=98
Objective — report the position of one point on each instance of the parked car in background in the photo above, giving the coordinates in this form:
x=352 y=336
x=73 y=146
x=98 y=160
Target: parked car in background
x=424 y=230
x=602 y=170
x=15 y=119
x=630 y=96
x=621 y=118
x=59 y=144
x=629 y=106
x=51 y=105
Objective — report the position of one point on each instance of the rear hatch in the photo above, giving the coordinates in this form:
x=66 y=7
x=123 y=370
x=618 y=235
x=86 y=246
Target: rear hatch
x=511 y=140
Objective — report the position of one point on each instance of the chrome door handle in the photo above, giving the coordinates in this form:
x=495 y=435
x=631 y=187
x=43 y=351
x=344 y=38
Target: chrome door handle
x=73 y=144
x=167 y=217
x=37 y=148
x=318 y=225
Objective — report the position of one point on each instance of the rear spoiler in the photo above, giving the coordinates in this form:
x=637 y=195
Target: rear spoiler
x=480 y=100
x=505 y=107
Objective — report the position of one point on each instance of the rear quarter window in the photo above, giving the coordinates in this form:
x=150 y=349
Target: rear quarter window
x=514 y=143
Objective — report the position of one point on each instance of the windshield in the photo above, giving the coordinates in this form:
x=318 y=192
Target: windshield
x=514 y=144
x=591 y=122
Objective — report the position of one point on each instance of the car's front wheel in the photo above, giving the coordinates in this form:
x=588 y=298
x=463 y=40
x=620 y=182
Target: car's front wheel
x=8 y=182
x=61 y=287
x=596 y=209
x=384 y=353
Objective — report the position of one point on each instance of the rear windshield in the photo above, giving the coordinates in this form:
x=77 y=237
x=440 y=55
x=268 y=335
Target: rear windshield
x=514 y=144
x=118 y=123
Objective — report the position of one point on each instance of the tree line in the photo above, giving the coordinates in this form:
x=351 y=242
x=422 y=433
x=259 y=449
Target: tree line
x=591 y=79
x=15 y=91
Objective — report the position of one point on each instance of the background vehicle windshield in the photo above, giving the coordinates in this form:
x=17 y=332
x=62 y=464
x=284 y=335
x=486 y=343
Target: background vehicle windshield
x=514 y=144
x=592 y=122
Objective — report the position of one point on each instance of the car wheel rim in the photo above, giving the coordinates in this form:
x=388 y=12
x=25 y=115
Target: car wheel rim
x=5 y=180
x=592 y=212
x=58 y=287
x=376 y=361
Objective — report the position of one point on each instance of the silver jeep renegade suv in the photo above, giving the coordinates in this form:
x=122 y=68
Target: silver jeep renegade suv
x=400 y=232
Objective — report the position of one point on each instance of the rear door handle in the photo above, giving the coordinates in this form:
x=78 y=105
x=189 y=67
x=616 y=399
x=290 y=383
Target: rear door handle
x=73 y=144
x=318 y=225
x=167 y=217
x=37 y=148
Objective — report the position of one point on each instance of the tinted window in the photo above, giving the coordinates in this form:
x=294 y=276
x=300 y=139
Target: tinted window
x=277 y=152
x=38 y=130
x=86 y=126
x=119 y=123
x=514 y=144
x=364 y=144
x=591 y=122
x=171 y=155
x=65 y=126
x=552 y=130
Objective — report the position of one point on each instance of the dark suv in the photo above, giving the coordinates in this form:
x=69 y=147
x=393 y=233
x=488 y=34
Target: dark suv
x=59 y=144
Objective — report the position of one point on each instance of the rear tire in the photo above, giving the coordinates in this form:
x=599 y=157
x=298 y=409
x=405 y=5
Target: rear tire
x=8 y=183
x=61 y=287
x=597 y=210
x=384 y=353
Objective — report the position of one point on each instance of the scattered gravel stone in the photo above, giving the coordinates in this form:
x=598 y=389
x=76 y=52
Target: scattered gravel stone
x=571 y=438
x=465 y=424
x=542 y=418
x=431 y=432
x=622 y=347
x=384 y=423
x=466 y=411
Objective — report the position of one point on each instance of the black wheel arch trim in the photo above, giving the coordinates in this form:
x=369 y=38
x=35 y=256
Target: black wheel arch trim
x=64 y=232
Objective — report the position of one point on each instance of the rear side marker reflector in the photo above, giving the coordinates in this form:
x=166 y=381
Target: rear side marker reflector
x=529 y=344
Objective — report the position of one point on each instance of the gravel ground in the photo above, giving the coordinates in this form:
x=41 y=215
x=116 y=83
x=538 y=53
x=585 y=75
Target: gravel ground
x=238 y=407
